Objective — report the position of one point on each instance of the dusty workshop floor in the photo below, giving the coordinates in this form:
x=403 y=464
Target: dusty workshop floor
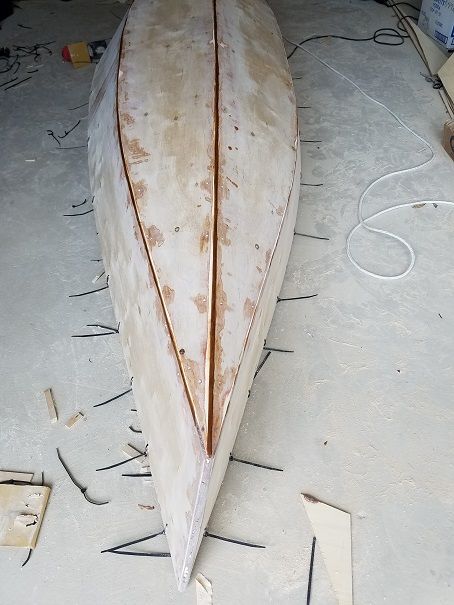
x=360 y=415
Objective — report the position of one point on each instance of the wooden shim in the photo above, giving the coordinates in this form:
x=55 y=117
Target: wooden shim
x=12 y=476
x=51 y=405
x=332 y=528
x=21 y=513
x=74 y=419
x=204 y=590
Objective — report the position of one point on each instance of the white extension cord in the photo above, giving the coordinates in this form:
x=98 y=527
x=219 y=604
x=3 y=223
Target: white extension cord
x=363 y=222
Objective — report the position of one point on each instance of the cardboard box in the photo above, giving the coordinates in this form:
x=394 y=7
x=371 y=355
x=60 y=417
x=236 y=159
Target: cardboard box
x=436 y=19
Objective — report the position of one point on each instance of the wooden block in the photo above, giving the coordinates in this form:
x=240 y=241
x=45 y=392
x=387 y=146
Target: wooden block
x=74 y=419
x=204 y=590
x=448 y=138
x=21 y=513
x=12 y=476
x=51 y=405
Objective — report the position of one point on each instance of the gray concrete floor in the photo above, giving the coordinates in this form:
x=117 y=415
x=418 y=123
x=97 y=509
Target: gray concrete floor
x=360 y=415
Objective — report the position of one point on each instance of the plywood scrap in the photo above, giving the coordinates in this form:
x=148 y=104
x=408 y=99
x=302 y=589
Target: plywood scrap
x=21 y=513
x=51 y=407
x=332 y=528
x=12 y=476
x=74 y=420
x=204 y=590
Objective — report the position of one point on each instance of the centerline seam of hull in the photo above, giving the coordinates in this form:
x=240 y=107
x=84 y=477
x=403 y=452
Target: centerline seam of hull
x=214 y=255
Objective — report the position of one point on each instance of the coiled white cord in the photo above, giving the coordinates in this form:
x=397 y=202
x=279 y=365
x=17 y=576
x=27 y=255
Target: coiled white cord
x=363 y=222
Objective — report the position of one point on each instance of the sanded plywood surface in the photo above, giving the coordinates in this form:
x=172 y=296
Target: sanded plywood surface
x=21 y=514
x=168 y=224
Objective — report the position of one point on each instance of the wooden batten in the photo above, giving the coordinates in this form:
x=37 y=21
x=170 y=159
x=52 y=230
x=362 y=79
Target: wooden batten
x=195 y=167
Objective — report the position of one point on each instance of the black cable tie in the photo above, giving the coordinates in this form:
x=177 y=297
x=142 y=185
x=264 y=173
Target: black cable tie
x=109 y=328
x=73 y=147
x=296 y=298
x=138 y=554
x=104 y=327
x=89 y=292
x=208 y=534
x=28 y=557
x=78 y=107
x=8 y=82
x=106 y=468
x=132 y=542
x=311 y=567
x=262 y=363
x=311 y=236
x=136 y=475
x=78 y=205
x=268 y=468
x=82 y=489
x=278 y=350
x=80 y=213
x=131 y=428
x=112 y=398
x=51 y=134
x=92 y=335
x=69 y=131
x=17 y=83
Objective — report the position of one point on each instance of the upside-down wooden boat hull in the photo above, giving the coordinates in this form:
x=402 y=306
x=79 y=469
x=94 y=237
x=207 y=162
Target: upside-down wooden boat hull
x=194 y=164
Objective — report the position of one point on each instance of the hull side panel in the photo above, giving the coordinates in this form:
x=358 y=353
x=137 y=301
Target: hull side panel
x=254 y=348
x=258 y=137
x=176 y=454
x=166 y=106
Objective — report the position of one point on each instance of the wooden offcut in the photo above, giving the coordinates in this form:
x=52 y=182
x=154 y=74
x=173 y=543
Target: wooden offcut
x=21 y=514
x=74 y=419
x=51 y=407
x=332 y=529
